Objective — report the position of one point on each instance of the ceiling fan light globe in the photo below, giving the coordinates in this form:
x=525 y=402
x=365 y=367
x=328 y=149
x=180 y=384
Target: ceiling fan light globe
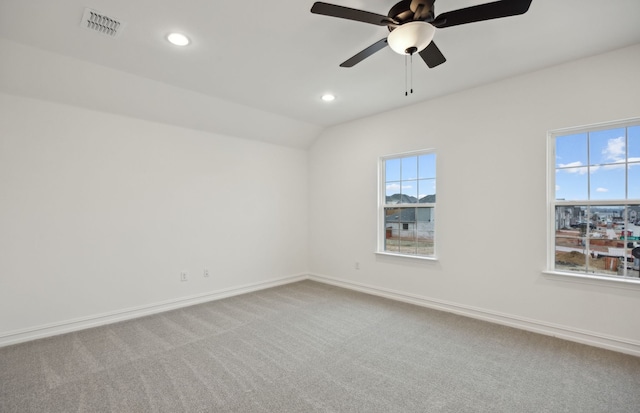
x=411 y=37
x=178 y=39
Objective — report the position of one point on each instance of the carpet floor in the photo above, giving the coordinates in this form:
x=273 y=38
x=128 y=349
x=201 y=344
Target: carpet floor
x=311 y=347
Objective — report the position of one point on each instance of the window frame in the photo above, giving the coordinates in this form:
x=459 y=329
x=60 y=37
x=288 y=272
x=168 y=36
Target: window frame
x=553 y=203
x=381 y=232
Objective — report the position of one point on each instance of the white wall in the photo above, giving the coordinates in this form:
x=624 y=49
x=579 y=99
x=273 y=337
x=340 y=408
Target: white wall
x=492 y=214
x=99 y=213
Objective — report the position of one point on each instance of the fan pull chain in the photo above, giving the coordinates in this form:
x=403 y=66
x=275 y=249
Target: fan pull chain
x=408 y=75
x=411 y=73
x=405 y=76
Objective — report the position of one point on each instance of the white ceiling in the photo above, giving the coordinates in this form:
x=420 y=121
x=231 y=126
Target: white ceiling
x=276 y=57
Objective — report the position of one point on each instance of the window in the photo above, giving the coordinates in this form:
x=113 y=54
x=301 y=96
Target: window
x=408 y=204
x=594 y=188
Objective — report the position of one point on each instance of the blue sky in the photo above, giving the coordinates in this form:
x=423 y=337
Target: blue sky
x=595 y=162
x=413 y=175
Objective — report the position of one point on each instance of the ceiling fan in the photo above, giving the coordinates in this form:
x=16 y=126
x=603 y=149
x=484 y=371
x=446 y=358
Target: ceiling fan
x=412 y=25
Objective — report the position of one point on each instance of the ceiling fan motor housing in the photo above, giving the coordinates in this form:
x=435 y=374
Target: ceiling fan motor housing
x=409 y=10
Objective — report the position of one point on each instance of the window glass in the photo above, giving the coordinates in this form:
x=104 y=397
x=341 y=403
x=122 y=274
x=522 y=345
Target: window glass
x=427 y=190
x=633 y=139
x=607 y=147
x=425 y=231
x=408 y=204
x=572 y=184
x=392 y=191
x=571 y=151
x=392 y=170
x=595 y=201
x=410 y=192
x=427 y=166
x=633 y=186
x=608 y=182
x=410 y=168
x=392 y=229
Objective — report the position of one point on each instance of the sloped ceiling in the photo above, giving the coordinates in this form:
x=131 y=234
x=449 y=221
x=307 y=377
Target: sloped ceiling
x=256 y=69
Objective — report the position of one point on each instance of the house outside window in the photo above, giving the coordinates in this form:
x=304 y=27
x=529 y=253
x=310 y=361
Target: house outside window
x=594 y=200
x=407 y=204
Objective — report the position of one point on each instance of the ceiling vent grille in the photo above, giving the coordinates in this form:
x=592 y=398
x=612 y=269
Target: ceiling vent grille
x=98 y=22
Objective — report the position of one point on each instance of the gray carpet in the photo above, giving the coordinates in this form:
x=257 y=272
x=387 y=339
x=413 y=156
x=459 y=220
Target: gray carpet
x=309 y=347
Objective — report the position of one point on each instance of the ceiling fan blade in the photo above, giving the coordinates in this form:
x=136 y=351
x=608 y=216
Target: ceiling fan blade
x=379 y=45
x=487 y=11
x=350 y=14
x=432 y=56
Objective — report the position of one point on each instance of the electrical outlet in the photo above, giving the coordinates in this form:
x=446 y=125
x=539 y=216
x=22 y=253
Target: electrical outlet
x=183 y=276
x=205 y=273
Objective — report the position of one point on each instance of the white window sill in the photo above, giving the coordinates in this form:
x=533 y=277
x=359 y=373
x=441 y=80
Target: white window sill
x=612 y=281
x=414 y=257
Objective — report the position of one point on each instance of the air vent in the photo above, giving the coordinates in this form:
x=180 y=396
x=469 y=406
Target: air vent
x=98 y=22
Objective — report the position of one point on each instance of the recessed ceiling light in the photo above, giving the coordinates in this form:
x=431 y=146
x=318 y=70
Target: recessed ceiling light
x=178 y=39
x=328 y=97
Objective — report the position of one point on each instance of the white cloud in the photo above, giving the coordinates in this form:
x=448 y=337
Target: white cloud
x=617 y=165
x=614 y=153
x=615 y=150
x=573 y=168
x=557 y=188
x=393 y=187
x=602 y=190
x=396 y=187
x=570 y=164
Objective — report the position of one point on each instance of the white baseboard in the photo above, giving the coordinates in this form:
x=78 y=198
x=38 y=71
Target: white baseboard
x=567 y=333
x=563 y=332
x=15 y=337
